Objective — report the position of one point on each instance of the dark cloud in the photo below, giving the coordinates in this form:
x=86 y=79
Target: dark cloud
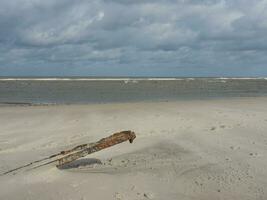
x=141 y=37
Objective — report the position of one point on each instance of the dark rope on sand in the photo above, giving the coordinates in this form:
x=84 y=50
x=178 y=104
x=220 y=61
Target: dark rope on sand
x=80 y=147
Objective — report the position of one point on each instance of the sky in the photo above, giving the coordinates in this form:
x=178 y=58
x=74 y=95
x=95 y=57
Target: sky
x=160 y=38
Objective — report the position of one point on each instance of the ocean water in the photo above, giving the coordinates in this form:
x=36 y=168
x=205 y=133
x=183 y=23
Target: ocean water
x=89 y=90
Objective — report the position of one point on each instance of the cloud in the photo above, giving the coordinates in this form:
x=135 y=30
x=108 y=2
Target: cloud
x=141 y=37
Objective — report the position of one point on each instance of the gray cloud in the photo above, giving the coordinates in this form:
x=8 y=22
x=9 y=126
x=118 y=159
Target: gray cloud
x=141 y=37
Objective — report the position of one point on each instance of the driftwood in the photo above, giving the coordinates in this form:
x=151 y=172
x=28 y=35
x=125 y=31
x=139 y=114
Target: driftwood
x=77 y=152
x=101 y=144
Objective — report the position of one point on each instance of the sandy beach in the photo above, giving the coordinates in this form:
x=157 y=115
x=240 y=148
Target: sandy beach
x=199 y=149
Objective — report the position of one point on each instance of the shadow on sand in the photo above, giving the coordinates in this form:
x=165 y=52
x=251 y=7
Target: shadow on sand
x=84 y=162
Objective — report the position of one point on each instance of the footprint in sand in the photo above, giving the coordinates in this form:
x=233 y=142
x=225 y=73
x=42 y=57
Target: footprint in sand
x=213 y=128
x=118 y=196
x=234 y=147
x=222 y=126
x=148 y=195
x=253 y=154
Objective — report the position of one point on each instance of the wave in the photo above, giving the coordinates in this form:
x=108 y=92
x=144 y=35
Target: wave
x=134 y=80
x=242 y=78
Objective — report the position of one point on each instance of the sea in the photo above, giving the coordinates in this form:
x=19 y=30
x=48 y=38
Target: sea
x=85 y=90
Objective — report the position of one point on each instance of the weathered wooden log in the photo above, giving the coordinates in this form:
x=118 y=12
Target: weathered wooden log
x=101 y=144
x=82 y=150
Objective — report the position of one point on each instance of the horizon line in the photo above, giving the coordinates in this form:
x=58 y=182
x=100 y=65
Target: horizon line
x=113 y=78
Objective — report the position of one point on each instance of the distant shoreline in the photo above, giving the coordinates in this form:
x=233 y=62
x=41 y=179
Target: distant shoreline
x=128 y=79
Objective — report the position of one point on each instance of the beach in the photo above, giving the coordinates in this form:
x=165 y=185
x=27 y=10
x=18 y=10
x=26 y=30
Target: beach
x=195 y=149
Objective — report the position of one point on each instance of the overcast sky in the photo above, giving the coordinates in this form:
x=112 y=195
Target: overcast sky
x=133 y=37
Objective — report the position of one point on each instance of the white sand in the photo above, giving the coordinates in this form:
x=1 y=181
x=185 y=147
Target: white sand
x=214 y=149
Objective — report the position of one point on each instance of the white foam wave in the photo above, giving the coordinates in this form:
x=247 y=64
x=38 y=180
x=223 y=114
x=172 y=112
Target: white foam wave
x=242 y=78
x=133 y=80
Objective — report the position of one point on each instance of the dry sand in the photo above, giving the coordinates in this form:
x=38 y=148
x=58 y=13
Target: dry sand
x=212 y=149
